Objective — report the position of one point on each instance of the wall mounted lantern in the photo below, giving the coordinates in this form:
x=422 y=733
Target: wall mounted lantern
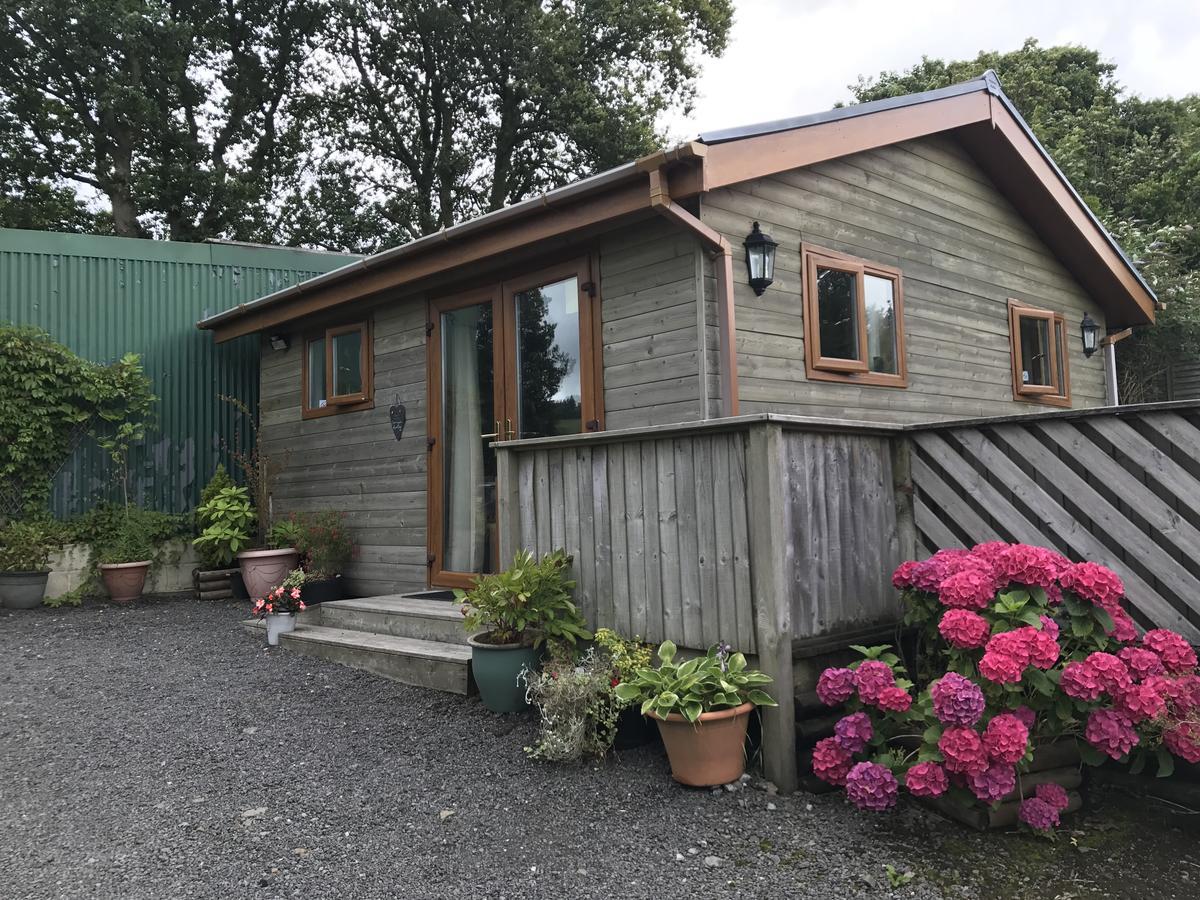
x=1090 y=332
x=760 y=259
x=279 y=342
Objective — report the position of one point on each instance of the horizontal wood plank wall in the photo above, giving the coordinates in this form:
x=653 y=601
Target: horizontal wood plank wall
x=1183 y=381
x=352 y=462
x=1118 y=488
x=657 y=528
x=927 y=209
x=652 y=348
x=843 y=534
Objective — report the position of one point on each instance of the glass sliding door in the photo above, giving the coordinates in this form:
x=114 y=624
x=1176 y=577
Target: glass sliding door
x=514 y=361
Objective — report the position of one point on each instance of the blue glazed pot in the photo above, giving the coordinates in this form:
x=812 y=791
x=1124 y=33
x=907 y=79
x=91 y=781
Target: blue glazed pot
x=496 y=667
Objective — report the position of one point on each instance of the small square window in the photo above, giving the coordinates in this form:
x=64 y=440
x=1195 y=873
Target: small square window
x=337 y=370
x=853 y=315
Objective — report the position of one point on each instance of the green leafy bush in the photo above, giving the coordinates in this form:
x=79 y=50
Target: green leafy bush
x=324 y=542
x=49 y=399
x=718 y=680
x=284 y=533
x=227 y=521
x=627 y=654
x=133 y=540
x=24 y=547
x=529 y=602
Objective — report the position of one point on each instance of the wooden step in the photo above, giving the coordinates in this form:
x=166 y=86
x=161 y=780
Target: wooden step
x=431 y=664
x=400 y=616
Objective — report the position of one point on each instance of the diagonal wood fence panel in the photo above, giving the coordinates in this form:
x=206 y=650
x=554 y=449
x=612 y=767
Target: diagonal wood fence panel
x=1117 y=486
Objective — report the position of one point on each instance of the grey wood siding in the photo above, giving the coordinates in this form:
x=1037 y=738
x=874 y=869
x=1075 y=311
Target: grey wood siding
x=926 y=208
x=352 y=462
x=654 y=360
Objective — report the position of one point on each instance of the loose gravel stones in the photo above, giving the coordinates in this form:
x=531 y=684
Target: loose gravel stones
x=159 y=751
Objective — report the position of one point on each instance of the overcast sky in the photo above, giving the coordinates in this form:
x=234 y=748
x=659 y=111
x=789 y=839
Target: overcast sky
x=790 y=57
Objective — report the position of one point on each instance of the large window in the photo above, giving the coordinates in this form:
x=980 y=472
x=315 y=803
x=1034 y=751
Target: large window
x=1039 y=355
x=337 y=370
x=853 y=320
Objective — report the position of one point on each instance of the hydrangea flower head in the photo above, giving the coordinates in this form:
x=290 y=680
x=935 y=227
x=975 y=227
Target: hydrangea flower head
x=1038 y=814
x=1094 y=582
x=835 y=686
x=994 y=783
x=1043 y=648
x=831 y=762
x=1123 y=630
x=1026 y=716
x=1142 y=663
x=1030 y=566
x=1112 y=674
x=894 y=699
x=1111 y=732
x=973 y=586
x=872 y=786
x=902 y=578
x=871 y=678
x=1176 y=653
x=1054 y=794
x=1080 y=681
x=1006 y=739
x=1000 y=668
x=956 y=700
x=929 y=574
x=964 y=629
x=963 y=751
x=1184 y=741
x=927 y=779
x=853 y=732
x=1050 y=626
x=1141 y=702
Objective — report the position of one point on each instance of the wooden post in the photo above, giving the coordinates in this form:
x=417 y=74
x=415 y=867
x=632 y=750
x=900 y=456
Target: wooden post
x=902 y=487
x=508 y=504
x=768 y=533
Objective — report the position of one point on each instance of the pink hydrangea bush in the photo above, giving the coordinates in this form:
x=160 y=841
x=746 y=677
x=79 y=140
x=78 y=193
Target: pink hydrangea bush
x=1021 y=647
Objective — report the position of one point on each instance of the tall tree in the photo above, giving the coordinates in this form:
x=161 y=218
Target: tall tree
x=442 y=109
x=1136 y=162
x=176 y=112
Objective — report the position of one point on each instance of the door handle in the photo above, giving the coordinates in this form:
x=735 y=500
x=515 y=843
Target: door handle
x=508 y=428
x=494 y=434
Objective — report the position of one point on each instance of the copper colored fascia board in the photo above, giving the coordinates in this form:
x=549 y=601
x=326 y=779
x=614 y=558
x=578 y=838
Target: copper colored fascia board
x=553 y=222
x=754 y=157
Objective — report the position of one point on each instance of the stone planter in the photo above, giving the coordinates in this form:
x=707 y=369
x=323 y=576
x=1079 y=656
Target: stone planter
x=1058 y=762
x=277 y=624
x=22 y=590
x=124 y=581
x=710 y=751
x=264 y=569
x=495 y=668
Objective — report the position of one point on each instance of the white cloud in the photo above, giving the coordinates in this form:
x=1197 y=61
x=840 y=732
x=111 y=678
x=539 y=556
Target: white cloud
x=790 y=57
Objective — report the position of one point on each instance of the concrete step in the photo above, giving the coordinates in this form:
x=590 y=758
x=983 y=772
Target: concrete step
x=408 y=617
x=430 y=664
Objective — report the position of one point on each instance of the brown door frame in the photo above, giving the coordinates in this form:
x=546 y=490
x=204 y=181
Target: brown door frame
x=504 y=378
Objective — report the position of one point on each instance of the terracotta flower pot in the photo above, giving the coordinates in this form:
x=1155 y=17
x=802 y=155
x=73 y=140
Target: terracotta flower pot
x=124 y=581
x=709 y=752
x=264 y=569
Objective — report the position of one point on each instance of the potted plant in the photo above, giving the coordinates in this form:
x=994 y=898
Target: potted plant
x=229 y=520
x=325 y=551
x=518 y=610
x=626 y=656
x=124 y=556
x=702 y=708
x=280 y=604
x=24 y=554
x=215 y=577
x=577 y=707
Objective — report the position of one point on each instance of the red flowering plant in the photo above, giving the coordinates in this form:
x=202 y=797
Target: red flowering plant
x=284 y=598
x=323 y=541
x=1021 y=647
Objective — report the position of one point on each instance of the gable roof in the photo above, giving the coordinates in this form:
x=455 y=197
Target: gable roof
x=977 y=112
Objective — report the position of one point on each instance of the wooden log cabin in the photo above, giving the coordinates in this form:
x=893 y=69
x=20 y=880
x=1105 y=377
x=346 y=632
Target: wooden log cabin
x=931 y=262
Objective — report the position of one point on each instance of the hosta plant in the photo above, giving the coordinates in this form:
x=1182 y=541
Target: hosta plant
x=1021 y=647
x=717 y=680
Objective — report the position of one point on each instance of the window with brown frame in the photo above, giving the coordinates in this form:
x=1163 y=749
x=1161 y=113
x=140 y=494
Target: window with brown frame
x=853 y=320
x=337 y=370
x=1040 y=370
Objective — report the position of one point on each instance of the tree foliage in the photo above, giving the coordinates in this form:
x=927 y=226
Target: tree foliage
x=438 y=110
x=177 y=114
x=49 y=399
x=1135 y=161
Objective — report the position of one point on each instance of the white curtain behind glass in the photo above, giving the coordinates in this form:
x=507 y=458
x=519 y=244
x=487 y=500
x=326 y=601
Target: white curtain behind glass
x=465 y=522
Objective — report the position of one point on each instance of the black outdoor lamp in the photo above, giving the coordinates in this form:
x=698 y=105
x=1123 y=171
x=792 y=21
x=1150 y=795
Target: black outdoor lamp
x=1090 y=331
x=279 y=342
x=760 y=259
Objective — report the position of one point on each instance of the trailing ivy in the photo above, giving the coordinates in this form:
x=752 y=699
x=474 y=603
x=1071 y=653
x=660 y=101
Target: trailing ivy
x=50 y=398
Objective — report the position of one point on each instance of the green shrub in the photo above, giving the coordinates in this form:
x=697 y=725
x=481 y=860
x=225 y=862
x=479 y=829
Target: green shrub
x=284 y=533
x=133 y=540
x=323 y=541
x=227 y=520
x=529 y=602
x=24 y=547
x=719 y=680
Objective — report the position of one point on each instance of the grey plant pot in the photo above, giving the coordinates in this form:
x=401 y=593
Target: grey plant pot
x=23 y=590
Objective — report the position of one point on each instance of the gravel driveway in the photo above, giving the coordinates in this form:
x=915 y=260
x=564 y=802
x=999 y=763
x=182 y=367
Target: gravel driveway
x=158 y=751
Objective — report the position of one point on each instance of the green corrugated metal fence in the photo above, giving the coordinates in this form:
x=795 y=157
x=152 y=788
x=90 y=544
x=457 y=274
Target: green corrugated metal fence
x=105 y=296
